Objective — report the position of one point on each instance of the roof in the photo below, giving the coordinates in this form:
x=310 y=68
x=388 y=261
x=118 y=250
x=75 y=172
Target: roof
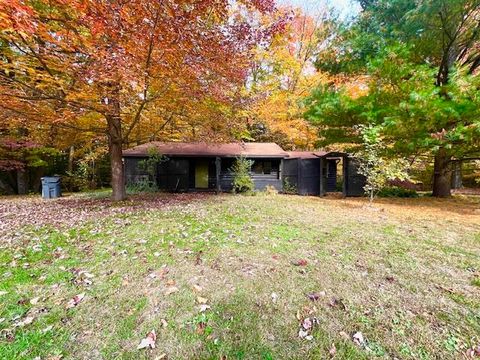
x=265 y=150
x=305 y=154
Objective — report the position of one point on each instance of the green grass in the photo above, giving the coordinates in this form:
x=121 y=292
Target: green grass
x=408 y=280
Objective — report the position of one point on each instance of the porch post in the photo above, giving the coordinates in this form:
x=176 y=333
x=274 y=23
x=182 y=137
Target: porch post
x=345 y=177
x=322 y=191
x=218 y=165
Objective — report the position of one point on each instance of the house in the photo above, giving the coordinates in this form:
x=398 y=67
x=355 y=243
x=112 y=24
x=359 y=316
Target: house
x=207 y=166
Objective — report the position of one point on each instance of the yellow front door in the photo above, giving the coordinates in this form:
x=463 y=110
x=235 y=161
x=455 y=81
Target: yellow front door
x=201 y=174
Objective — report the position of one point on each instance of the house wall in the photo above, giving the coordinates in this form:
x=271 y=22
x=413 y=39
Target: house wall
x=176 y=174
x=354 y=181
x=303 y=174
x=261 y=181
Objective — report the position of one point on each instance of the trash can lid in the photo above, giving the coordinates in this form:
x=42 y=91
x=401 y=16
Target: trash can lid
x=48 y=179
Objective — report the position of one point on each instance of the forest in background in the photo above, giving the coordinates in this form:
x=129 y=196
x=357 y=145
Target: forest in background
x=82 y=80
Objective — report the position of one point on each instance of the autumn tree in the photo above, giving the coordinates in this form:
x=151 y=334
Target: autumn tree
x=418 y=60
x=111 y=62
x=282 y=74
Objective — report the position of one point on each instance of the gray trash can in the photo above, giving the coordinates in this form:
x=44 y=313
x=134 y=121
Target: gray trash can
x=51 y=187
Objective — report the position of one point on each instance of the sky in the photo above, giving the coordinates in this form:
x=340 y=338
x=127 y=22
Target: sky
x=345 y=8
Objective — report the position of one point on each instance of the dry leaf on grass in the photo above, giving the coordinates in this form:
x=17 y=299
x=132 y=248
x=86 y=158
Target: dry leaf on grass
x=26 y=321
x=358 y=339
x=77 y=299
x=300 y=262
x=333 y=350
x=204 y=308
x=316 y=295
x=34 y=301
x=473 y=352
x=148 y=341
x=274 y=297
x=202 y=300
x=171 y=290
x=334 y=302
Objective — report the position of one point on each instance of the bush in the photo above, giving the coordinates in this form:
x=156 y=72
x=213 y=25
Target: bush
x=141 y=186
x=390 y=192
x=289 y=188
x=242 y=182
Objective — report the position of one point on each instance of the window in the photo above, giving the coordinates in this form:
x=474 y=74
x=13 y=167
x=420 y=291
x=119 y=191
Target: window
x=262 y=167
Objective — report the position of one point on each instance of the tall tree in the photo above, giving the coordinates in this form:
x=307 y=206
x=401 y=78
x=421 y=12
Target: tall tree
x=282 y=74
x=443 y=38
x=113 y=60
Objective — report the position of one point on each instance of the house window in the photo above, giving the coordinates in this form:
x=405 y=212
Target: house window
x=262 y=167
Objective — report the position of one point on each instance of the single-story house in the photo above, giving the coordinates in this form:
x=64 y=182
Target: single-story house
x=207 y=166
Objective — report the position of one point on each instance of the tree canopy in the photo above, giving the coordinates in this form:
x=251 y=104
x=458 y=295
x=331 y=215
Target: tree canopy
x=415 y=66
x=101 y=66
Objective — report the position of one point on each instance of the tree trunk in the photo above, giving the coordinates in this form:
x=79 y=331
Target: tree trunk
x=116 y=161
x=71 y=155
x=21 y=182
x=442 y=175
x=115 y=141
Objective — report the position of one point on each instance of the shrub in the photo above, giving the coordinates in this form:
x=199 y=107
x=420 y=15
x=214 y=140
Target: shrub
x=399 y=192
x=242 y=181
x=377 y=169
x=288 y=188
x=141 y=186
x=149 y=165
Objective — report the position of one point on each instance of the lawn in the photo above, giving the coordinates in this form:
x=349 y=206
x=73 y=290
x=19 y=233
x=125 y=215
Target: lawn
x=239 y=277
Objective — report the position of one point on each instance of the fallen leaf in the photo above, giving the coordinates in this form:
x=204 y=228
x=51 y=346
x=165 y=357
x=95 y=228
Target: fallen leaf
x=301 y=262
x=47 y=329
x=334 y=302
x=28 y=320
x=201 y=327
x=75 y=301
x=204 y=308
x=332 y=351
x=302 y=334
x=171 y=290
x=161 y=357
x=34 y=301
x=202 y=300
x=197 y=288
x=390 y=278
x=358 y=339
x=164 y=323
x=344 y=335
x=307 y=323
x=148 y=341
x=473 y=352
x=315 y=296
x=274 y=297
